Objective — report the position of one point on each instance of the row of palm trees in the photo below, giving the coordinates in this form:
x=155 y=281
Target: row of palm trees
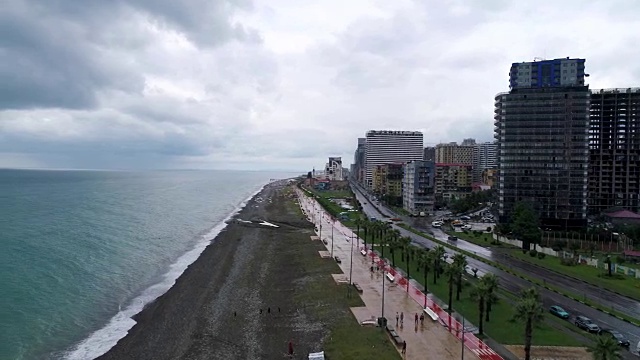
x=529 y=308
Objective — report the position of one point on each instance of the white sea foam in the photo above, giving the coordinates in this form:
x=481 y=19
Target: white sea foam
x=100 y=341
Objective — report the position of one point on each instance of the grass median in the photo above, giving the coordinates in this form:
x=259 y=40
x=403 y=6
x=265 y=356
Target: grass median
x=626 y=285
x=499 y=327
x=577 y=297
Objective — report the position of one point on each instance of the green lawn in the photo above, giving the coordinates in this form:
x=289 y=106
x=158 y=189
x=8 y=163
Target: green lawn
x=627 y=286
x=499 y=327
x=483 y=239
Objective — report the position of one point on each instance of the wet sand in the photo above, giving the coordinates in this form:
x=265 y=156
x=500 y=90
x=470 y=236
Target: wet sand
x=214 y=309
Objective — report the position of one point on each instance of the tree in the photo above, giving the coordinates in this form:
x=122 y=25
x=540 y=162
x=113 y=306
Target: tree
x=438 y=254
x=529 y=310
x=405 y=241
x=525 y=225
x=479 y=293
x=492 y=283
x=358 y=222
x=425 y=260
x=605 y=348
x=451 y=272
x=460 y=262
x=394 y=244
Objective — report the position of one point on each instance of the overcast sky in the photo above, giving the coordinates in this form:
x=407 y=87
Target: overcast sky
x=275 y=84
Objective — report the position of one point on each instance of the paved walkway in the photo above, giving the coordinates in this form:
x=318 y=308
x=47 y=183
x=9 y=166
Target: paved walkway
x=431 y=340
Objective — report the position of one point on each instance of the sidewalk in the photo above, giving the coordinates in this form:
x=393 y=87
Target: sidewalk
x=428 y=341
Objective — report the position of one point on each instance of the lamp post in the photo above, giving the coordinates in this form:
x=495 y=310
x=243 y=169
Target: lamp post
x=462 y=338
x=383 y=276
x=332 y=226
x=351 y=261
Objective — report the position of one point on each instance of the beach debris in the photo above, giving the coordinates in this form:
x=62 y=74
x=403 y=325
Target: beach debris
x=265 y=223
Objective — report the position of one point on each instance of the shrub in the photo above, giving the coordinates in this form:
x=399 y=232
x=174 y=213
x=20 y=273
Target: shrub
x=533 y=253
x=619 y=260
x=524 y=251
x=568 y=261
x=541 y=255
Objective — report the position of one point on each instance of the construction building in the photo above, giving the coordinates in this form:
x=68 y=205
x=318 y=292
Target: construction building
x=541 y=126
x=614 y=150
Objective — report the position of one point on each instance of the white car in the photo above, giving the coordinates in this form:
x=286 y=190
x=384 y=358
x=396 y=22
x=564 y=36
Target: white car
x=466 y=227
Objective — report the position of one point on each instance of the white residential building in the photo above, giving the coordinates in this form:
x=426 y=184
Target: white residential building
x=387 y=146
x=333 y=169
x=485 y=156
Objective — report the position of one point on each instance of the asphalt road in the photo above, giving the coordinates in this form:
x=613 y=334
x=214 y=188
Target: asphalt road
x=514 y=284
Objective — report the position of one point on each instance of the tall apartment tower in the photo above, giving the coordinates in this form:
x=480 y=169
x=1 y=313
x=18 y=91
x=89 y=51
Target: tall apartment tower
x=452 y=153
x=614 y=150
x=541 y=126
x=429 y=153
x=358 y=161
x=391 y=147
x=484 y=157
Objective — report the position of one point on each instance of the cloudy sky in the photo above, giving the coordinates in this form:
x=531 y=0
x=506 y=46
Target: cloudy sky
x=275 y=84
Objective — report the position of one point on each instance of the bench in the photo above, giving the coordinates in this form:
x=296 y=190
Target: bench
x=431 y=313
x=394 y=335
x=358 y=287
x=338 y=259
x=390 y=277
x=363 y=252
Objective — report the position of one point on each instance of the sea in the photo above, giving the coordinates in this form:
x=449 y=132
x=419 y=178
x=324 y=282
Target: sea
x=81 y=252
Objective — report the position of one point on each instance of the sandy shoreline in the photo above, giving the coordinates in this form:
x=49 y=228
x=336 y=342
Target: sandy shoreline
x=214 y=309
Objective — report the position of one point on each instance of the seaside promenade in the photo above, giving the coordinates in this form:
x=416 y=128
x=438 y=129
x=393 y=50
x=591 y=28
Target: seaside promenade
x=430 y=340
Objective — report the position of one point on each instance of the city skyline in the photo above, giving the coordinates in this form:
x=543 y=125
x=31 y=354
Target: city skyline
x=251 y=85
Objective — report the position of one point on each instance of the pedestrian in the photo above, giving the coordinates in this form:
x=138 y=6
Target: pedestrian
x=290 y=348
x=416 y=318
x=404 y=347
x=260 y=311
x=421 y=319
x=402 y=318
x=397 y=318
x=269 y=310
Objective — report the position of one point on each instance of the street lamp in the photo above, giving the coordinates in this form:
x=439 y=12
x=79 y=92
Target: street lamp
x=332 y=226
x=464 y=331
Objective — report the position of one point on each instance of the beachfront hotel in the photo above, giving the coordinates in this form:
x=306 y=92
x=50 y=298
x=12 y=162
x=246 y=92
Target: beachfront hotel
x=390 y=147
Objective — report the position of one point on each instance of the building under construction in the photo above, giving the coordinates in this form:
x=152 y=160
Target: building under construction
x=541 y=127
x=614 y=149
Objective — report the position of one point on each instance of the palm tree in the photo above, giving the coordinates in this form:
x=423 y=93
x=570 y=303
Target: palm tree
x=479 y=293
x=492 y=281
x=366 y=224
x=530 y=311
x=460 y=262
x=425 y=260
x=605 y=348
x=394 y=244
x=438 y=254
x=358 y=222
x=451 y=271
x=405 y=241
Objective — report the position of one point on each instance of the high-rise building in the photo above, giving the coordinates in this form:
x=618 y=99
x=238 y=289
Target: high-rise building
x=429 y=154
x=333 y=169
x=418 y=186
x=614 y=150
x=541 y=126
x=391 y=147
x=484 y=157
x=358 y=161
x=452 y=153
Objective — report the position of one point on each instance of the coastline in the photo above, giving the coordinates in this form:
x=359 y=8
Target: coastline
x=104 y=339
x=217 y=308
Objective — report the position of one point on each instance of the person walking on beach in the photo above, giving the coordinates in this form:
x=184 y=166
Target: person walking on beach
x=404 y=348
x=421 y=319
x=290 y=348
x=397 y=318
x=416 y=319
x=402 y=318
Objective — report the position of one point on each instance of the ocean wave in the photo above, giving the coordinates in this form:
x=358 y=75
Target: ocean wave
x=102 y=340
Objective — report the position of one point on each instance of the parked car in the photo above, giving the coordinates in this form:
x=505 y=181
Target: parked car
x=466 y=218
x=559 y=312
x=586 y=324
x=452 y=238
x=622 y=341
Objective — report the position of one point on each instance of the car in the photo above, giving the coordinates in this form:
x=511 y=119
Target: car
x=586 y=324
x=559 y=312
x=465 y=218
x=622 y=341
x=452 y=238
